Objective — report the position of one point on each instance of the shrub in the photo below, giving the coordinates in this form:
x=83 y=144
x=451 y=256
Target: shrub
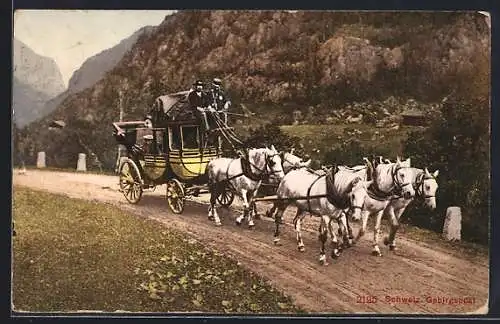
x=271 y=134
x=458 y=145
x=351 y=153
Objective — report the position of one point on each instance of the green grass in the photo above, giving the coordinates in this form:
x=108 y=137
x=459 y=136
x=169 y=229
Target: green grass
x=318 y=139
x=325 y=137
x=71 y=255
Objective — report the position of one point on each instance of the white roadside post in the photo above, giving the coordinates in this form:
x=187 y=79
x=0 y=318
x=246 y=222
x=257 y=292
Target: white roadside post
x=40 y=161
x=453 y=224
x=82 y=163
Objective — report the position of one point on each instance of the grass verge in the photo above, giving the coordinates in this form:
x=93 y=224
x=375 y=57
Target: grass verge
x=71 y=255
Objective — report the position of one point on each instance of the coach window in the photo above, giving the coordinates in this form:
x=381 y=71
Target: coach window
x=190 y=137
x=174 y=137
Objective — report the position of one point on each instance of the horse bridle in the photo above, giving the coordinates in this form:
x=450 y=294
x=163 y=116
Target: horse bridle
x=395 y=178
x=283 y=160
x=352 y=208
x=265 y=173
x=419 y=185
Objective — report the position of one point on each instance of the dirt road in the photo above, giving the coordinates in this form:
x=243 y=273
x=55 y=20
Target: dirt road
x=418 y=278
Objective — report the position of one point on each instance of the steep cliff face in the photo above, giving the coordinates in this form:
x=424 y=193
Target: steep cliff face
x=36 y=80
x=323 y=59
x=95 y=68
x=41 y=73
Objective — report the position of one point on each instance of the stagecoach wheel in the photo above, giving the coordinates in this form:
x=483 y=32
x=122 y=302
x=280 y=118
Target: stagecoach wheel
x=130 y=182
x=175 y=196
x=226 y=197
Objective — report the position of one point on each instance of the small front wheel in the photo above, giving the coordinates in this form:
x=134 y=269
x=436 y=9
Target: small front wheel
x=175 y=196
x=225 y=197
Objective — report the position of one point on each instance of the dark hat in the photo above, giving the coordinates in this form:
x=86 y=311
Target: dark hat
x=217 y=81
x=198 y=83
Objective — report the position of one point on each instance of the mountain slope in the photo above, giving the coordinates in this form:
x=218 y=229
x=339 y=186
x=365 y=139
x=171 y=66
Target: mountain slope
x=275 y=59
x=36 y=80
x=95 y=68
x=27 y=102
x=40 y=72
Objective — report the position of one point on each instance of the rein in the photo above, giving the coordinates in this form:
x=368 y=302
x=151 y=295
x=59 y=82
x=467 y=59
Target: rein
x=309 y=193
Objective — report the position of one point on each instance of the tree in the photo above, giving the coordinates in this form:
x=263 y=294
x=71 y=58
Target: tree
x=458 y=144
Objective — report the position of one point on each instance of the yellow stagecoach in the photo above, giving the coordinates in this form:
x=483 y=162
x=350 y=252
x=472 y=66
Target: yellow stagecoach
x=171 y=148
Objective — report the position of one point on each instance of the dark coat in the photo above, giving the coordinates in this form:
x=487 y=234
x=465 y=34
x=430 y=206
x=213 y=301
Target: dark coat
x=196 y=100
x=219 y=98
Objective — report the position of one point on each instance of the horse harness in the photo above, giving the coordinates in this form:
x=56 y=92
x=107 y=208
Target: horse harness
x=332 y=195
x=246 y=167
x=294 y=166
x=376 y=193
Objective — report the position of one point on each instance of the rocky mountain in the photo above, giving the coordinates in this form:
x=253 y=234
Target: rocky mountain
x=276 y=59
x=27 y=102
x=36 y=80
x=95 y=68
x=40 y=72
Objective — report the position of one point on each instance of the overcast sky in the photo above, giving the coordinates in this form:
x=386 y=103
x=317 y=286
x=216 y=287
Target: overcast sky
x=72 y=36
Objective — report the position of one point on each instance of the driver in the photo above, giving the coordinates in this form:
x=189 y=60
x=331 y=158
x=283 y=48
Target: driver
x=199 y=104
x=219 y=99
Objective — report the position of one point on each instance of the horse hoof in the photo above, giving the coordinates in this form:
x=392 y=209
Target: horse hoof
x=251 y=226
x=301 y=248
x=386 y=241
x=277 y=241
x=335 y=254
x=218 y=224
x=376 y=253
x=392 y=247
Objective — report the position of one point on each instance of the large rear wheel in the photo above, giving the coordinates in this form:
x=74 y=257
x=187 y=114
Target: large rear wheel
x=130 y=181
x=175 y=196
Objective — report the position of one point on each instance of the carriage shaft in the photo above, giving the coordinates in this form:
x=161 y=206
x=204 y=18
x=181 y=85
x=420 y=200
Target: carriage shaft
x=275 y=198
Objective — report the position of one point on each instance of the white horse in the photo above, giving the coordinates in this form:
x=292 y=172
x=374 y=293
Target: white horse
x=290 y=162
x=390 y=181
x=324 y=196
x=425 y=185
x=244 y=176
